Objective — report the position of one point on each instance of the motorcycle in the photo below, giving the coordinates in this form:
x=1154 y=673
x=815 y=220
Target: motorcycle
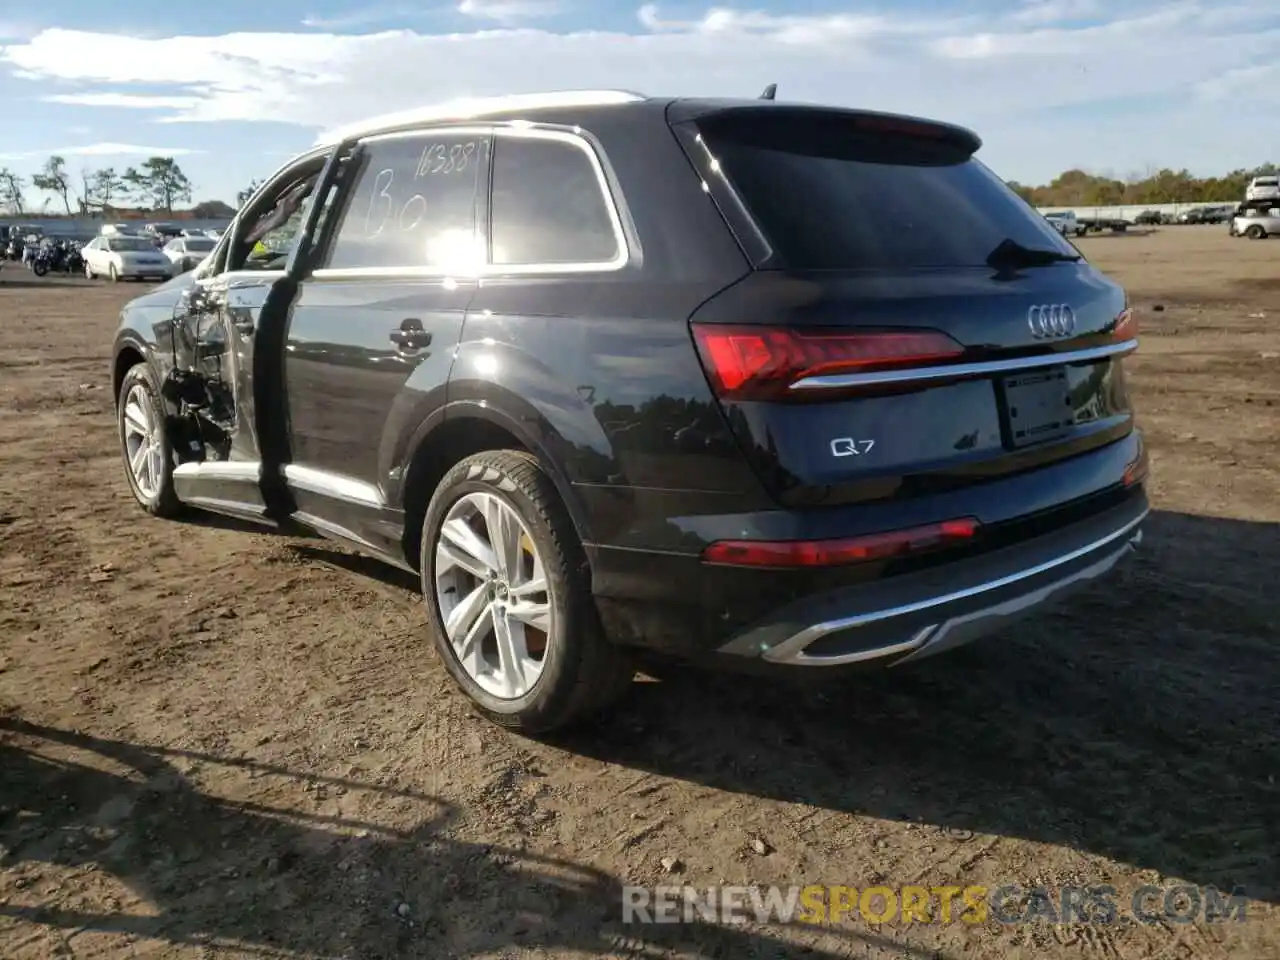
x=61 y=255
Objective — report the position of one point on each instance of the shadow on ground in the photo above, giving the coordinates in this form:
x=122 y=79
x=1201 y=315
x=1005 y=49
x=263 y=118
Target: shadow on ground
x=217 y=873
x=1139 y=723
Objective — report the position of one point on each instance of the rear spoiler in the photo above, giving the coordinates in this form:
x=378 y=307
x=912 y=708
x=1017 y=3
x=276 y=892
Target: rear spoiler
x=871 y=121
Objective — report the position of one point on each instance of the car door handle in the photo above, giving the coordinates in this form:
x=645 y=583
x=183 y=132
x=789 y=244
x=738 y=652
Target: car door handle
x=411 y=336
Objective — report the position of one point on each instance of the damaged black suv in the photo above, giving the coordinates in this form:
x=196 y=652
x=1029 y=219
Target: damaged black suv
x=734 y=381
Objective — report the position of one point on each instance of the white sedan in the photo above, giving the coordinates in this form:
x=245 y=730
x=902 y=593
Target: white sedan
x=119 y=258
x=186 y=253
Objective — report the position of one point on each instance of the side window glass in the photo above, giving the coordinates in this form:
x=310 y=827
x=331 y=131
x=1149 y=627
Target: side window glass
x=547 y=205
x=272 y=236
x=413 y=204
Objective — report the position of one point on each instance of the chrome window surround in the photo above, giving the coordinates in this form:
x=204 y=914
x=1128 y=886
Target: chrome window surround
x=487 y=270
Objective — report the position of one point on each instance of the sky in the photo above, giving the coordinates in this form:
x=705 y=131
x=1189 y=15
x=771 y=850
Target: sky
x=233 y=89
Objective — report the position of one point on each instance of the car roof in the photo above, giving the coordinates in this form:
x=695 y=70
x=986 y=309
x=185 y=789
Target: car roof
x=553 y=106
x=477 y=108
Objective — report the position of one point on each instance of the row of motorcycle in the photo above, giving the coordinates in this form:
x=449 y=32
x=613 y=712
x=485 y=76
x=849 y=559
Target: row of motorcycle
x=46 y=256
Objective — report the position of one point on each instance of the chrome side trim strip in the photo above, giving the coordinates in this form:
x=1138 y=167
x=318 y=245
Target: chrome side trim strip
x=333 y=485
x=791 y=649
x=245 y=470
x=836 y=381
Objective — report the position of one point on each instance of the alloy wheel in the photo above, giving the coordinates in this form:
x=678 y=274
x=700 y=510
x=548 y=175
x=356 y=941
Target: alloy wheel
x=493 y=595
x=143 y=449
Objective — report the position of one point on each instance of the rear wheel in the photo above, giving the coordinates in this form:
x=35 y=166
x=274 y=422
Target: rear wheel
x=144 y=443
x=509 y=599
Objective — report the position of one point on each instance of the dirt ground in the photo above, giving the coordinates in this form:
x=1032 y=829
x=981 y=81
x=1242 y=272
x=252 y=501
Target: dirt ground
x=221 y=743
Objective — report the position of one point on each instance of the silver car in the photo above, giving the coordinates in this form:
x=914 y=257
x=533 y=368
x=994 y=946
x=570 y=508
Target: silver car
x=1256 y=224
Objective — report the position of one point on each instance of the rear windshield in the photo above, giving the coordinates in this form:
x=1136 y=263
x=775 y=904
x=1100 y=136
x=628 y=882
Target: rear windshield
x=829 y=196
x=129 y=245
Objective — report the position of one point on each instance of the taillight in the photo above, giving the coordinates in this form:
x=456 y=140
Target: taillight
x=1126 y=326
x=761 y=363
x=829 y=553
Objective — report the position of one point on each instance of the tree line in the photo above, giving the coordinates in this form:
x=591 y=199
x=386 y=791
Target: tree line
x=159 y=183
x=1078 y=188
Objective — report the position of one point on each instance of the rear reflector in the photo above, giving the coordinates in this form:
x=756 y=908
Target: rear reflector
x=830 y=553
x=761 y=363
x=1126 y=326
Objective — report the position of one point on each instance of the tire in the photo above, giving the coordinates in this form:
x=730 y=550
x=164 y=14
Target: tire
x=88 y=271
x=112 y=275
x=157 y=496
x=39 y=267
x=579 y=672
x=1255 y=232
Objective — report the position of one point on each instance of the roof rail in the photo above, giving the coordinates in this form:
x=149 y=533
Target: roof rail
x=468 y=107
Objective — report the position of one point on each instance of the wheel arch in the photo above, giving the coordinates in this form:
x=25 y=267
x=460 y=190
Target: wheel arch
x=465 y=429
x=128 y=355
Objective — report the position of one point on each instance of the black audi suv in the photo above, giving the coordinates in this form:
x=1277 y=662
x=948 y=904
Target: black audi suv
x=738 y=382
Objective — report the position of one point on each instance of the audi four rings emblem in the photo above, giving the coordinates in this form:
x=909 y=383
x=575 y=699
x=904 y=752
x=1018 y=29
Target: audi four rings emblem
x=1048 y=321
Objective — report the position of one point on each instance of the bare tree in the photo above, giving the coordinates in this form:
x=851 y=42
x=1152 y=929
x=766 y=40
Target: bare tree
x=161 y=181
x=243 y=196
x=54 y=179
x=11 y=187
x=107 y=186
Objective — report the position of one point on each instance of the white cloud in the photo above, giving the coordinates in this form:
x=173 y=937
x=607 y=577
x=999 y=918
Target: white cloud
x=1257 y=85
x=363 y=17
x=101 y=150
x=1025 y=77
x=509 y=11
x=126 y=100
x=1056 y=11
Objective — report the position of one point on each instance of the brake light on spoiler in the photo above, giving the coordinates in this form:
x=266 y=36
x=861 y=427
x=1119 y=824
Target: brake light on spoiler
x=761 y=363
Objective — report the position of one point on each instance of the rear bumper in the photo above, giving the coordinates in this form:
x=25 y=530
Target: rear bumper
x=922 y=614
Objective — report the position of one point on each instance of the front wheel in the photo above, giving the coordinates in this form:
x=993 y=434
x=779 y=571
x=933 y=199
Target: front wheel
x=39 y=268
x=112 y=274
x=508 y=597
x=1255 y=232
x=144 y=443
x=88 y=271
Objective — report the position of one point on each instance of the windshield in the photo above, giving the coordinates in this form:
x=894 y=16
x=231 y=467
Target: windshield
x=831 y=197
x=129 y=245
x=199 y=245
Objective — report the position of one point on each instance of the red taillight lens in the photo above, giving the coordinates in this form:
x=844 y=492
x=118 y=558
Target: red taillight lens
x=830 y=553
x=760 y=363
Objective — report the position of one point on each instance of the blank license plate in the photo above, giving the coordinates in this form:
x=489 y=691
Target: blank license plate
x=1038 y=406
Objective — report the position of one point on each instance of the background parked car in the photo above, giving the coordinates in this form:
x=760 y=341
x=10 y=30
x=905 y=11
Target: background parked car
x=185 y=253
x=125 y=257
x=1066 y=223
x=1256 y=224
x=1263 y=188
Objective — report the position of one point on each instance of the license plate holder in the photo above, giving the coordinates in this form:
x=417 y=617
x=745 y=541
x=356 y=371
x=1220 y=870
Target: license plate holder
x=1037 y=406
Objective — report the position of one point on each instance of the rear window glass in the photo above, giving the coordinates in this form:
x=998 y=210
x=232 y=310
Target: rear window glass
x=829 y=196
